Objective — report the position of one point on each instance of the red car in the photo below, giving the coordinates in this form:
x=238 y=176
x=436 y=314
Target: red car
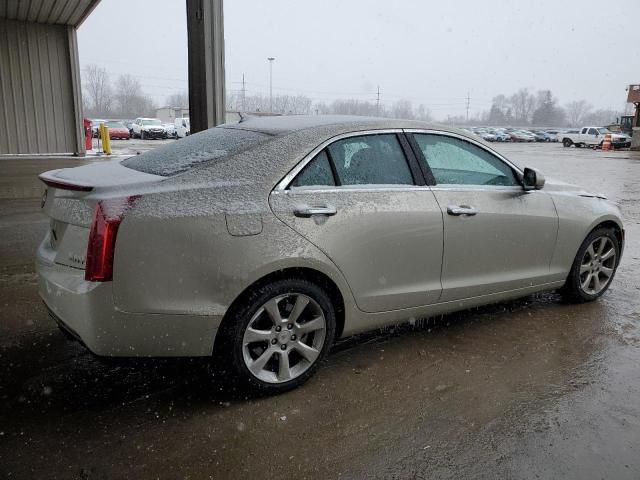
x=117 y=130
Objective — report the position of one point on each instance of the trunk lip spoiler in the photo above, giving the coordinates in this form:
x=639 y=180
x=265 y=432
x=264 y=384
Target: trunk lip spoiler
x=51 y=180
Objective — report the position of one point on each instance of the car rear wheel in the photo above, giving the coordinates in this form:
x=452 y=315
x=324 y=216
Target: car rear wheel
x=278 y=337
x=566 y=143
x=142 y=135
x=594 y=267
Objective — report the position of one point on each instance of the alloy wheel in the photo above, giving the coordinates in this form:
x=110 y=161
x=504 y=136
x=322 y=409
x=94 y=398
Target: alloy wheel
x=597 y=266
x=284 y=338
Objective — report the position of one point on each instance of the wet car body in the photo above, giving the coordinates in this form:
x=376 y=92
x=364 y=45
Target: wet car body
x=117 y=130
x=192 y=243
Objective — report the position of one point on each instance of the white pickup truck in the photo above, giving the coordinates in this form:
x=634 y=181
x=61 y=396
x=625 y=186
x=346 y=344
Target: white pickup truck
x=590 y=136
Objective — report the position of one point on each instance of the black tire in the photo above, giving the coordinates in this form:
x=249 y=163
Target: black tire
x=572 y=290
x=566 y=142
x=142 y=135
x=229 y=349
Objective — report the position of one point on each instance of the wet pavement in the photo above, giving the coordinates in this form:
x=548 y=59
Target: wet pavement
x=534 y=388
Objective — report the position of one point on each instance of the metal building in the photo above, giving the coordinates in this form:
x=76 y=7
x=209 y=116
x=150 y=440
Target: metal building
x=40 y=92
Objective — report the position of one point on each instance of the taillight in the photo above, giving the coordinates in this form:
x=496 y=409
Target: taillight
x=102 y=238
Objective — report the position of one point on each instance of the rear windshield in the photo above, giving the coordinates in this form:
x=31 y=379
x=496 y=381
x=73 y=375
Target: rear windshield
x=193 y=150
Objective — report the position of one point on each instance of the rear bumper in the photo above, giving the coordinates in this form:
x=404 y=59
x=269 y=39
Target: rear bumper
x=86 y=311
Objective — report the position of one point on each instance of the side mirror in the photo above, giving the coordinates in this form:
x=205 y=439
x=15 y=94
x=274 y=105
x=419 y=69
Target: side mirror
x=532 y=179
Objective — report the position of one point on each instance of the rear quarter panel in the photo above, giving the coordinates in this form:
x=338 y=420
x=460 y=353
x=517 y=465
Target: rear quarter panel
x=184 y=259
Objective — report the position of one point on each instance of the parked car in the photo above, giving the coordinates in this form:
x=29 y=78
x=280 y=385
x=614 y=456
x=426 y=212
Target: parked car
x=551 y=135
x=592 y=136
x=117 y=130
x=170 y=130
x=487 y=136
x=129 y=125
x=501 y=135
x=538 y=136
x=183 y=126
x=520 y=136
x=146 y=128
x=95 y=127
x=245 y=241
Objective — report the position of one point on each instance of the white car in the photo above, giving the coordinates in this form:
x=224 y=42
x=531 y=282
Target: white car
x=170 y=130
x=182 y=126
x=146 y=128
x=591 y=136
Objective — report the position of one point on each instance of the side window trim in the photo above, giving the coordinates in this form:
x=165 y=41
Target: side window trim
x=430 y=179
x=412 y=160
x=334 y=171
x=516 y=170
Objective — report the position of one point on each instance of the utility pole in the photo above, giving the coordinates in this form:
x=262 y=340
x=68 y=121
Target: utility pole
x=271 y=59
x=244 y=95
x=468 y=100
x=378 y=102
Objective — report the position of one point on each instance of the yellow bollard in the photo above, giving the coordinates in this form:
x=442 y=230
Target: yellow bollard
x=106 y=141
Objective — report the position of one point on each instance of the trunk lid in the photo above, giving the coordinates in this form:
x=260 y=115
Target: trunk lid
x=70 y=200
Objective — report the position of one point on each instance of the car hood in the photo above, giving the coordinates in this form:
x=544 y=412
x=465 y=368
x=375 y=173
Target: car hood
x=152 y=127
x=552 y=185
x=617 y=136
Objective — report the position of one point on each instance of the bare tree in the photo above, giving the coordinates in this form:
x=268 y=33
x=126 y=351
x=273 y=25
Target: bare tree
x=576 y=111
x=97 y=90
x=423 y=113
x=180 y=100
x=130 y=101
x=547 y=112
x=522 y=103
x=601 y=117
x=402 y=109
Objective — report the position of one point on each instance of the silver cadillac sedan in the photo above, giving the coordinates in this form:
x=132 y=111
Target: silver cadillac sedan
x=260 y=243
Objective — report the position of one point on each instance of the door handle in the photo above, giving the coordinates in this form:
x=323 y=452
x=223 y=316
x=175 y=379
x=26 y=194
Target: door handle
x=306 y=211
x=457 y=210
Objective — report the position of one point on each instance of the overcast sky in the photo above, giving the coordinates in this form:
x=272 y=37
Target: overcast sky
x=424 y=51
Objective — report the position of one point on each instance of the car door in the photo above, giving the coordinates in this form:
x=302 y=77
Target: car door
x=592 y=137
x=497 y=236
x=361 y=199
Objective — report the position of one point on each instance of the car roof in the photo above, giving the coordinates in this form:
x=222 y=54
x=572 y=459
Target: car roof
x=285 y=124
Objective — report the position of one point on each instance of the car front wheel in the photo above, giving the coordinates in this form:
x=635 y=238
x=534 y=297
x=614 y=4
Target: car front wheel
x=278 y=337
x=594 y=266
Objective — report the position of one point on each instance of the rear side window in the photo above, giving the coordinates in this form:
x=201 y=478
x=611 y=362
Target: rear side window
x=317 y=172
x=194 y=150
x=370 y=160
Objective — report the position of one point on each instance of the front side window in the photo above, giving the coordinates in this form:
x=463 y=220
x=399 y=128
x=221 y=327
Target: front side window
x=370 y=160
x=457 y=162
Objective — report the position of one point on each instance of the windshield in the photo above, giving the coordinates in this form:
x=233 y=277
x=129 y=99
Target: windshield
x=603 y=130
x=114 y=125
x=151 y=122
x=194 y=150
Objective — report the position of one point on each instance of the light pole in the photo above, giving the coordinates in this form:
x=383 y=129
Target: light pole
x=271 y=59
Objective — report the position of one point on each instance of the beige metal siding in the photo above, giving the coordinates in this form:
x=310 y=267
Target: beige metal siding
x=38 y=109
x=62 y=12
